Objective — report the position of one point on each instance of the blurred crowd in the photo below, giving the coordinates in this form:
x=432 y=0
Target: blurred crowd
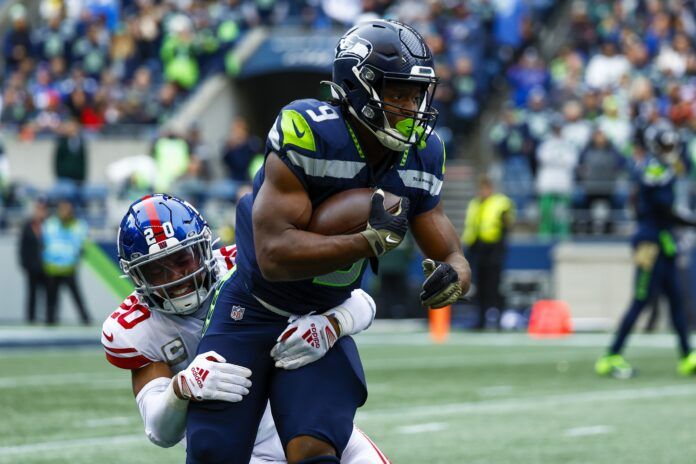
x=576 y=124
x=473 y=43
x=110 y=63
x=75 y=68
x=184 y=165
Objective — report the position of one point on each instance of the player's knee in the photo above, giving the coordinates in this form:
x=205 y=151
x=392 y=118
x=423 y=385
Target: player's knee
x=309 y=450
x=206 y=445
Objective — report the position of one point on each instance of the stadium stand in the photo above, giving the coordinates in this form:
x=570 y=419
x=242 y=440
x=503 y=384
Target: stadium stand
x=623 y=68
x=123 y=69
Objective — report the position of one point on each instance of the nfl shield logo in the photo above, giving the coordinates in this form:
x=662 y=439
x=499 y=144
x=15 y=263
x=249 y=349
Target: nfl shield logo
x=237 y=313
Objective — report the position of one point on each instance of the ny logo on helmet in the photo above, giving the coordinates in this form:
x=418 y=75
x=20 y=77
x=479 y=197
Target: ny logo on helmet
x=354 y=46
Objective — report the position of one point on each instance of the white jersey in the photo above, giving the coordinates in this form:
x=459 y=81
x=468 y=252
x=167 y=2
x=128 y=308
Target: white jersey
x=135 y=336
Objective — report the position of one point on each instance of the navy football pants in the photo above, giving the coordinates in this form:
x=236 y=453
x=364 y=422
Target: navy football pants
x=318 y=400
x=654 y=277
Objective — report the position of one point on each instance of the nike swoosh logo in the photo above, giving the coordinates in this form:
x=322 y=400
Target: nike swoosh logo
x=297 y=131
x=391 y=240
x=108 y=337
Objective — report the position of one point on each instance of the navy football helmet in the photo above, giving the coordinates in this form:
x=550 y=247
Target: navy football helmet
x=374 y=55
x=664 y=141
x=165 y=247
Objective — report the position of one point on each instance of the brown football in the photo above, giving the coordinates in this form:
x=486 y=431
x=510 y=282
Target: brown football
x=347 y=212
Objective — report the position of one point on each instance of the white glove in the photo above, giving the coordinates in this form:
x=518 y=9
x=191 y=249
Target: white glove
x=210 y=377
x=305 y=340
x=309 y=337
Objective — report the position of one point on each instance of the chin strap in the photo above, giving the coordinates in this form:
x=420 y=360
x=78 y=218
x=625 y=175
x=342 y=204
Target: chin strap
x=384 y=137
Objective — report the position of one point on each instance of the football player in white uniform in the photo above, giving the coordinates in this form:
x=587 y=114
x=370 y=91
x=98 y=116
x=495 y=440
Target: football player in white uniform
x=165 y=247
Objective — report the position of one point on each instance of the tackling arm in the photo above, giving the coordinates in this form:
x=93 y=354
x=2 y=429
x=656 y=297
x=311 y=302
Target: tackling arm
x=163 y=398
x=309 y=337
x=162 y=410
x=284 y=250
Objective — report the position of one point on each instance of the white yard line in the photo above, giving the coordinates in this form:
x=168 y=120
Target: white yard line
x=589 y=430
x=106 y=422
x=508 y=405
x=496 y=390
x=422 y=428
x=63 y=444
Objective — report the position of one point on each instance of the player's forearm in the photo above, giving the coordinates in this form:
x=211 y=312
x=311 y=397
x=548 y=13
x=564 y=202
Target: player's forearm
x=461 y=265
x=163 y=413
x=298 y=254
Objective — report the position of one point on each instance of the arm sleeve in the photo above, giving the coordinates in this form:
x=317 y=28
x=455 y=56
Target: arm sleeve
x=355 y=314
x=163 y=413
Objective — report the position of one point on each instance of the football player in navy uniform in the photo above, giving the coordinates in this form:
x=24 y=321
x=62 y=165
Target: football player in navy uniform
x=655 y=253
x=377 y=133
x=166 y=248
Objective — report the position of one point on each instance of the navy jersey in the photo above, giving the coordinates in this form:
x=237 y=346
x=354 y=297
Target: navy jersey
x=316 y=142
x=655 y=200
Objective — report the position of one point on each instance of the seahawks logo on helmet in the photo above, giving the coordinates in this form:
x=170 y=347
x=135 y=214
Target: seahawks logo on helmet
x=354 y=46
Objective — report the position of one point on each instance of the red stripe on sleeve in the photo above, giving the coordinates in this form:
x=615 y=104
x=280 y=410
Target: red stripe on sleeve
x=136 y=362
x=120 y=350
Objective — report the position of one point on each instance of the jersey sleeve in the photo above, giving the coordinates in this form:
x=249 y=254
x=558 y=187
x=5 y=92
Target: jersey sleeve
x=225 y=257
x=128 y=343
x=430 y=181
x=295 y=140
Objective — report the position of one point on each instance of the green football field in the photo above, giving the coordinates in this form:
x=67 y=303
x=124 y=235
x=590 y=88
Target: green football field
x=484 y=398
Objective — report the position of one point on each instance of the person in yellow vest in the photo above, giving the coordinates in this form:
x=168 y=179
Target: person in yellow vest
x=489 y=217
x=64 y=236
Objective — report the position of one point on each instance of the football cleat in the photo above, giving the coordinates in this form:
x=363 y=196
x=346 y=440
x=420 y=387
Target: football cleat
x=614 y=365
x=687 y=364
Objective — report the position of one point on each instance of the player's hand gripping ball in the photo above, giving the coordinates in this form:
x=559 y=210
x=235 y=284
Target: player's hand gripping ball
x=385 y=230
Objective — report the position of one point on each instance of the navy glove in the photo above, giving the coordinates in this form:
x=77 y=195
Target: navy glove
x=441 y=286
x=385 y=231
